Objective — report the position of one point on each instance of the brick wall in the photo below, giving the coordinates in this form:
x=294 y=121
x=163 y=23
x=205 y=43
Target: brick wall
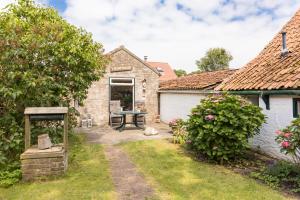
x=39 y=166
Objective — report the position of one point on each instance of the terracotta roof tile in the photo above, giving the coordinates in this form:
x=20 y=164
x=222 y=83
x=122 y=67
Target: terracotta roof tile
x=204 y=80
x=167 y=72
x=269 y=70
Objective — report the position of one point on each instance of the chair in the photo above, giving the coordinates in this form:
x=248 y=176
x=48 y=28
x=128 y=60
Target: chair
x=114 y=118
x=141 y=119
x=89 y=121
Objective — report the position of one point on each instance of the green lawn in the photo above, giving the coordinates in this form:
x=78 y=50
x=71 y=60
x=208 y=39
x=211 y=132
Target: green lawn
x=87 y=178
x=176 y=176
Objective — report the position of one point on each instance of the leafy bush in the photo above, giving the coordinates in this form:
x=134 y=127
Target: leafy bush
x=289 y=140
x=175 y=122
x=179 y=131
x=280 y=174
x=44 y=61
x=8 y=178
x=11 y=140
x=220 y=126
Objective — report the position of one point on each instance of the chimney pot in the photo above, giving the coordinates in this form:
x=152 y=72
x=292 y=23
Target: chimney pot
x=284 y=50
x=145 y=58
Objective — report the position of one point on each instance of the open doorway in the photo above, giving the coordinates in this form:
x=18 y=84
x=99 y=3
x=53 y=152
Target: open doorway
x=122 y=89
x=124 y=94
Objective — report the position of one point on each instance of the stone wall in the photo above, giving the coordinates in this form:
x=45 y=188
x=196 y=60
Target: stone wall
x=126 y=65
x=40 y=164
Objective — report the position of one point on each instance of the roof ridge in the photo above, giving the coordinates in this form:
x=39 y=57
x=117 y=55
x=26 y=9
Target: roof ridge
x=269 y=69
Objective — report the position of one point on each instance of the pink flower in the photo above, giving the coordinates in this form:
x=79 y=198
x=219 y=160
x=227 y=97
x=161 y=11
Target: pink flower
x=278 y=132
x=285 y=144
x=287 y=135
x=209 y=117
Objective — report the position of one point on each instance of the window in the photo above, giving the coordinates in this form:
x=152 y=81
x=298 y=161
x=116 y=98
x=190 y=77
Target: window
x=121 y=81
x=296 y=107
x=159 y=69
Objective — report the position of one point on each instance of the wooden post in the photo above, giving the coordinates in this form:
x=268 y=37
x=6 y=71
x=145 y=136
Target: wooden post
x=27 y=132
x=66 y=131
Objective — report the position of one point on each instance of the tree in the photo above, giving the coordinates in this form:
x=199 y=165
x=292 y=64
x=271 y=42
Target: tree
x=44 y=61
x=214 y=59
x=180 y=72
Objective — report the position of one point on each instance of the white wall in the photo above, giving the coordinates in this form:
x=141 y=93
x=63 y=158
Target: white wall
x=177 y=105
x=279 y=116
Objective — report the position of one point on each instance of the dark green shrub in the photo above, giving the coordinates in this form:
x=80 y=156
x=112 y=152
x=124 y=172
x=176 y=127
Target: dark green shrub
x=44 y=61
x=280 y=174
x=11 y=140
x=220 y=126
x=8 y=178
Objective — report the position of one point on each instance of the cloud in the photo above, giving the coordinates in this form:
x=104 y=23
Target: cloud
x=180 y=31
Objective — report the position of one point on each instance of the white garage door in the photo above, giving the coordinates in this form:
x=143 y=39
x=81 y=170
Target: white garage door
x=174 y=105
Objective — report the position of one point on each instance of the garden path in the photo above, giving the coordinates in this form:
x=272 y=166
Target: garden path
x=129 y=183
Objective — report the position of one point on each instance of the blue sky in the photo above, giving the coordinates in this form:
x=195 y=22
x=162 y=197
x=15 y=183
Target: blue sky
x=179 y=31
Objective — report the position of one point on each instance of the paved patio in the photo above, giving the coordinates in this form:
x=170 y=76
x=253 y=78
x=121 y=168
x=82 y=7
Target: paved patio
x=107 y=135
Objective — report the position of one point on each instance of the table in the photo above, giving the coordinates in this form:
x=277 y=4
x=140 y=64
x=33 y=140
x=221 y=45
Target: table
x=135 y=114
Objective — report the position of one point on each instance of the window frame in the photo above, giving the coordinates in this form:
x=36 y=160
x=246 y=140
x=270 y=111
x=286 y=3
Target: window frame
x=120 y=83
x=295 y=107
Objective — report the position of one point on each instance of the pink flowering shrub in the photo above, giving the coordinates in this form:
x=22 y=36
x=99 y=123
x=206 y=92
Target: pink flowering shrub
x=175 y=122
x=289 y=140
x=219 y=127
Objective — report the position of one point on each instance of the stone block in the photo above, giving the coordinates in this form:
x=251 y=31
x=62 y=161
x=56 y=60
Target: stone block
x=39 y=164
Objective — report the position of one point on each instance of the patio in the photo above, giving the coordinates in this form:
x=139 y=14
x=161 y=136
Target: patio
x=110 y=136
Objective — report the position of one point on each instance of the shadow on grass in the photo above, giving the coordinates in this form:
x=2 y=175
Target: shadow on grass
x=87 y=177
x=175 y=175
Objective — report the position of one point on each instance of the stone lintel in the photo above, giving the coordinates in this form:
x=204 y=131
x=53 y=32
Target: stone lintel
x=35 y=153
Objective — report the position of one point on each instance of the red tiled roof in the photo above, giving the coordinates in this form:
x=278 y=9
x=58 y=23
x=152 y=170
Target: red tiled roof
x=167 y=71
x=204 y=80
x=269 y=70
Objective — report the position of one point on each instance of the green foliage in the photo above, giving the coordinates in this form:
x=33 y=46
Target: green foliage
x=11 y=140
x=180 y=72
x=179 y=132
x=214 y=59
x=289 y=140
x=280 y=174
x=220 y=126
x=8 y=178
x=44 y=61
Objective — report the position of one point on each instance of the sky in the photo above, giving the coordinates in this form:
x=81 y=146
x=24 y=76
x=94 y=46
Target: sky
x=179 y=31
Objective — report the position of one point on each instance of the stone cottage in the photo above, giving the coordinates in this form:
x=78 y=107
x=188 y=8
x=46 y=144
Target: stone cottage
x=272 y=81
x=128 y=79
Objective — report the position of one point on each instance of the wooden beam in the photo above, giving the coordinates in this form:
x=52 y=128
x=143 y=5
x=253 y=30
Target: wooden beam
x=66 y=131
x=27 y=132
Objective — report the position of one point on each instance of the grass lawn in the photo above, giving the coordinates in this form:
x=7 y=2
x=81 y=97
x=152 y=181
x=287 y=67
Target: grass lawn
x=87 y=178
x=177 y=176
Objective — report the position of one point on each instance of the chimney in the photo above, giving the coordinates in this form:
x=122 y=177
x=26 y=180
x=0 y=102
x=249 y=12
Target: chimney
x=284 y=50
x=145 y=58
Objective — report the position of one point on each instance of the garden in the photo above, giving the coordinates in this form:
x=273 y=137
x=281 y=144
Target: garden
x=45 y=61
x=218 y=133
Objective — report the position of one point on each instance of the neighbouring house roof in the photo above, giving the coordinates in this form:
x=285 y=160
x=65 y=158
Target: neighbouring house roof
x=134 y=56
x=165 y=70
x=200 y=81
x=270 y=70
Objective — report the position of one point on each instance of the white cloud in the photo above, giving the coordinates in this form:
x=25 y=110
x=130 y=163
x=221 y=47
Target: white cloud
x=165 y=33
